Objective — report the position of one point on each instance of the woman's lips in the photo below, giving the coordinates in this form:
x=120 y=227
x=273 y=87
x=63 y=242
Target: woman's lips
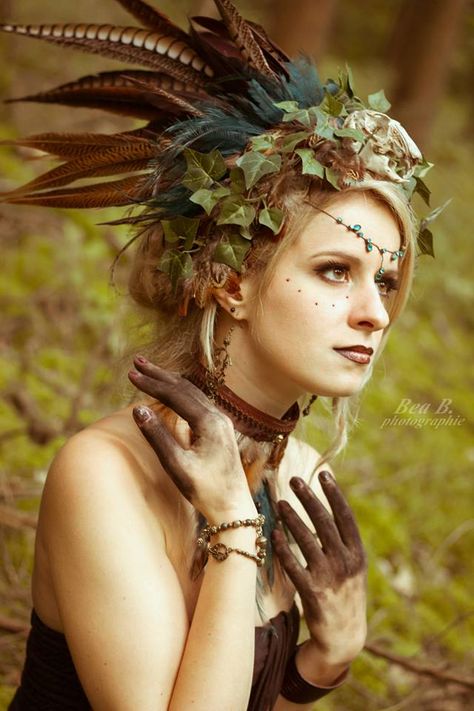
x=356 y=356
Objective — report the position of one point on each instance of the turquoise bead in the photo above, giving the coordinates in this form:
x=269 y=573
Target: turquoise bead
x=356 y=228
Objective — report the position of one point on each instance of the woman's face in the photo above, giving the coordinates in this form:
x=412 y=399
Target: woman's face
x=323 y=299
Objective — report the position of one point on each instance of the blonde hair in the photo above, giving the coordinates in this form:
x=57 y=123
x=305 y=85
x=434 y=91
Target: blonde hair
x=179 y=340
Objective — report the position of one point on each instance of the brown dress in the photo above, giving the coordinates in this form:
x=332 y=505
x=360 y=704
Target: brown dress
x=49 y=680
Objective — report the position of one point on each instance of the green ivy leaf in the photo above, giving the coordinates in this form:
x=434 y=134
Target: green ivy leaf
x=307 y=117
x=178 y=265
x=232 y=252
x=332 y=105
x=379 y=102
x=203 y=169
x=423 y=190
x=346 y=81
x=170 y=235
x=208 y=199
x=184 y=228
x=289 y=142
x=323 y=129
x=350 y=133
x=425 y=242
x=255 y=165
x=332 y=177
x=263 y=142
x=272 y=217
x=422 y=169
x=311 y=166
x=237 y=180
x=235 y=211
x=288 y=107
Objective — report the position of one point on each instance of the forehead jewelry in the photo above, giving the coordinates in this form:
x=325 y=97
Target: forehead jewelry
x=369 y=244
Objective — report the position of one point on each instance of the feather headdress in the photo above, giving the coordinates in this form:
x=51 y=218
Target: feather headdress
x=226 y=112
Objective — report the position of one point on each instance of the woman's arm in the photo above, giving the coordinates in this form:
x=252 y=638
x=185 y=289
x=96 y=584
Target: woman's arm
x=119 y=597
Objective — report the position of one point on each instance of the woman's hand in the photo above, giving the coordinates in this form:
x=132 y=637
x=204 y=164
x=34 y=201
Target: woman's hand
x=209 y=473
x=332 y=587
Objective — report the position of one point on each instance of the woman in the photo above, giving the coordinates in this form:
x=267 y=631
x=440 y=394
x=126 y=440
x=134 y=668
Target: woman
x=277 y=251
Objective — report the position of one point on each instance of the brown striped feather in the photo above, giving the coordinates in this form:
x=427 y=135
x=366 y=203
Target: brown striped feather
x=75 y=145
x=152 y=18
x=161 y=98
x=242 y=34
x=126 y=93
x=130 y=44
x=111 y=194
x=275 y=55
x=109 y=161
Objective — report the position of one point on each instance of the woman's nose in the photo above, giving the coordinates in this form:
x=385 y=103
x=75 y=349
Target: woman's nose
x=368 y=310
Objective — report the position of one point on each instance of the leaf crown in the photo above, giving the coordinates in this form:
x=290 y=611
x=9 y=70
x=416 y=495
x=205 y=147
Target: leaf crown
x=227 y=114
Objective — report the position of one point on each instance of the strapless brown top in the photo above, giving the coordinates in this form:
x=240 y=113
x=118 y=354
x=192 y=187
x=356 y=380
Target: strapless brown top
x=49 y=680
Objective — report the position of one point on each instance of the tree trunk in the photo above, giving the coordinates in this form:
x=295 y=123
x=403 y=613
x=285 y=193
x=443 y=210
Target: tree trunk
x=302 y=25
x=422 y=49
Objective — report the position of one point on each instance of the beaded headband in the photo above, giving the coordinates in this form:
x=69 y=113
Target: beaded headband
x=356 y=229
x=228 y=118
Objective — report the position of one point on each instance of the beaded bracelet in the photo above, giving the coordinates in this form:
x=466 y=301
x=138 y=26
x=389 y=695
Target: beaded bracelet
x=220 y=551
x=299 y=691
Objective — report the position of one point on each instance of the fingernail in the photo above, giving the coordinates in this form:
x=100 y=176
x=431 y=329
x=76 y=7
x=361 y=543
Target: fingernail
x=142 y=413
x=140 y=359
x=133 y=373
x=296 y=483
x=326 y=477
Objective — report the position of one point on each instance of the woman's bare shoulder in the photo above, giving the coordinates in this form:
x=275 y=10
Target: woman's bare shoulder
x=109 y=458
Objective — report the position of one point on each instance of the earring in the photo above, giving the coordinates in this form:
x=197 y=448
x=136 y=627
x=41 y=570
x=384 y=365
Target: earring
x=307 y=409
x=222 y=361
x=232 y=309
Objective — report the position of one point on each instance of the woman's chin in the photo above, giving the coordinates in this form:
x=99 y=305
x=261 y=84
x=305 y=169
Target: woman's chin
x=338 y=389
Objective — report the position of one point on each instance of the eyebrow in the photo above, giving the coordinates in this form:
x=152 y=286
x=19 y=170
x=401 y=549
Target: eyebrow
x=353 y=258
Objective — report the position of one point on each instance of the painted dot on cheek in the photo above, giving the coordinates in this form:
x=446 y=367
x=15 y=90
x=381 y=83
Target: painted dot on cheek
x=315 y=303
x=287 y=280
x=299 y=291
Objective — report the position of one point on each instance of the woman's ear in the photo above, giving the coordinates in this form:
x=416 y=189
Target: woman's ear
x=235 y=301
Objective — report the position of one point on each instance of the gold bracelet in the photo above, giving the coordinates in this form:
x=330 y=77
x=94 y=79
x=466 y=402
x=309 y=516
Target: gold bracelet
x=220 y=551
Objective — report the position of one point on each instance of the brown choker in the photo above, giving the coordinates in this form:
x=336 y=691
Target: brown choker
x=247 y=419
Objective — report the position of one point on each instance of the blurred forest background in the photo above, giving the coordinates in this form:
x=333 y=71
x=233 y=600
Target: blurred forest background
x=65 y=331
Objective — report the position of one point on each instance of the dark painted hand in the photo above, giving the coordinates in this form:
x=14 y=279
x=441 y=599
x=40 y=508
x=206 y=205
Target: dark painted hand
x=209 y=473
x=332 y=586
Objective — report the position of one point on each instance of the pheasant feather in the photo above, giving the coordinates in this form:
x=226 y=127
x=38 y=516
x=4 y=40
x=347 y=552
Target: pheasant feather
x=75 y=145
x=152 y=18
x=241 y=33
x=127 y=191
x=126 y=93
x=130 y=44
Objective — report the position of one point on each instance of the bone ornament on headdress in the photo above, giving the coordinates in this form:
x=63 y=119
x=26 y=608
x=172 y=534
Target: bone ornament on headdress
x=228 y=115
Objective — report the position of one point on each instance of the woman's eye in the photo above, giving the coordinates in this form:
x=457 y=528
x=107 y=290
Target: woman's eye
x=387 y=287
x=334 y=272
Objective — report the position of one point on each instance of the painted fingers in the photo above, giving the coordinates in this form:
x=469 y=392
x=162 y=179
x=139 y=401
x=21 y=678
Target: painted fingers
x=341 y=554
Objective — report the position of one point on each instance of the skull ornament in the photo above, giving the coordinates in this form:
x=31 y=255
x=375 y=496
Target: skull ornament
x=388 y=151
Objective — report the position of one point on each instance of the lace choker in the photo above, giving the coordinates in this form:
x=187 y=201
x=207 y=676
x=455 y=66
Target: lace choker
x=247 y=419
